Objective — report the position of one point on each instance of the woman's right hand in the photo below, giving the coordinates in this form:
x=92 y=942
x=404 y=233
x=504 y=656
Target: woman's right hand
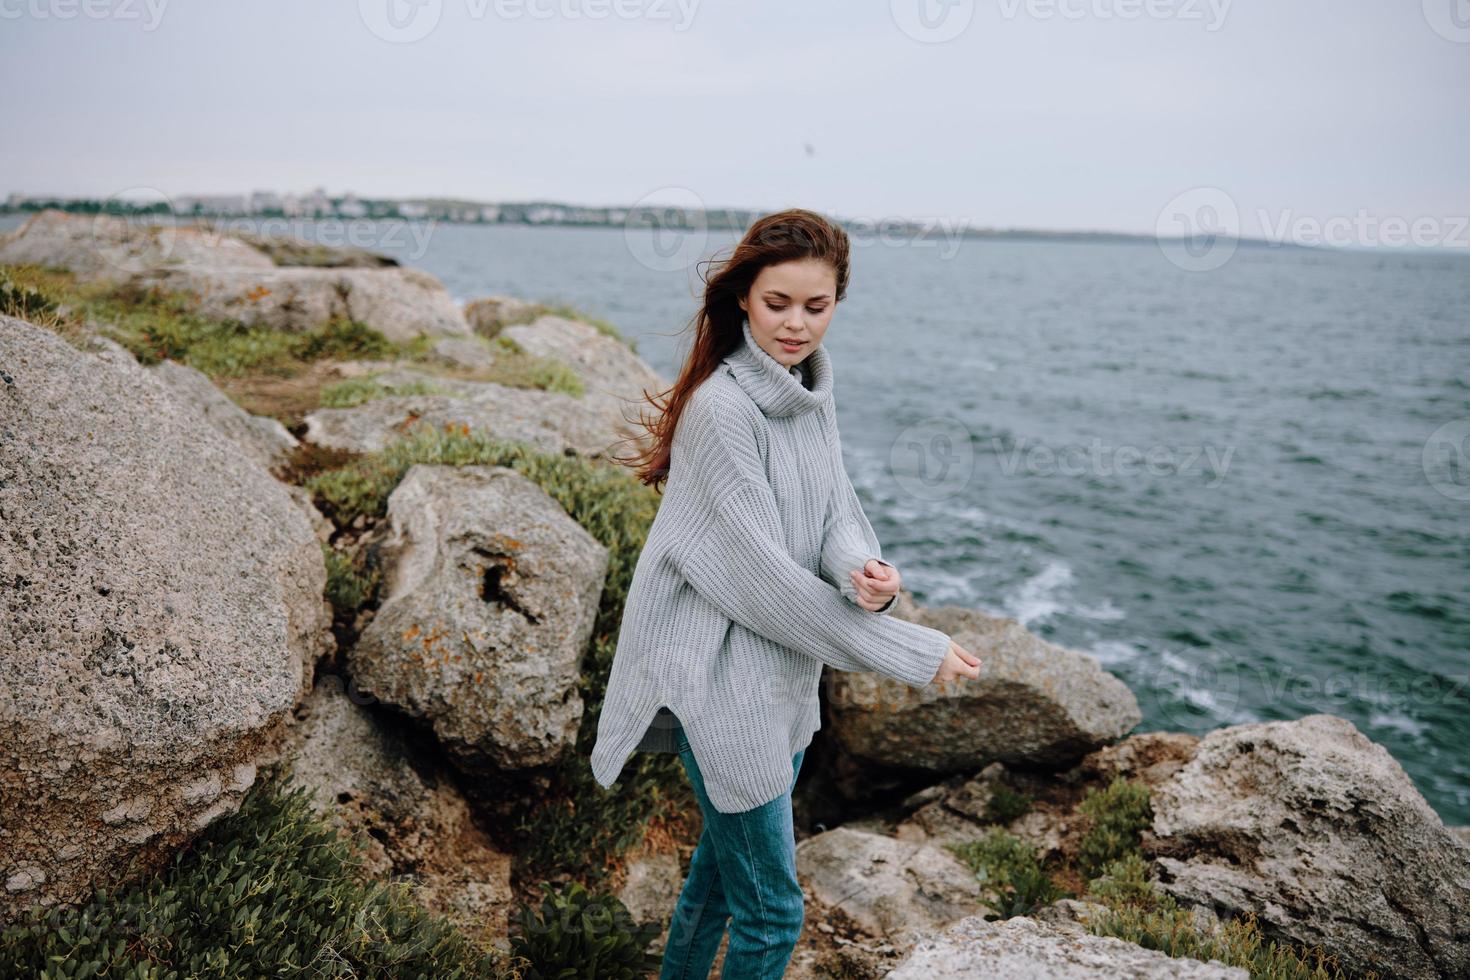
x=958 y=662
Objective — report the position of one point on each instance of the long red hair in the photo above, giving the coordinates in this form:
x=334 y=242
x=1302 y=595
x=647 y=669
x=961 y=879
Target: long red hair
x=782 y=236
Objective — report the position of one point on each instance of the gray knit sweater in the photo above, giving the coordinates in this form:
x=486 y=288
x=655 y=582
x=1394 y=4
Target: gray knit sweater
x=742 y=593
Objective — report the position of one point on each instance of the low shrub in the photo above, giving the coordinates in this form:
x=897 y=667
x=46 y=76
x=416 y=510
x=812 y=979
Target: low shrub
x=576 y=934
x=1013 y=880
x=271 y=890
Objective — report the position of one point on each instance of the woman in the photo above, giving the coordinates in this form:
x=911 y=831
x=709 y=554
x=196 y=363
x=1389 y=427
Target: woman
x=759 y=568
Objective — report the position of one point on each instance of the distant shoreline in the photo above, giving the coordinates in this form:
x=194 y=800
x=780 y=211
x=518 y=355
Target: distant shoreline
x=725 y=220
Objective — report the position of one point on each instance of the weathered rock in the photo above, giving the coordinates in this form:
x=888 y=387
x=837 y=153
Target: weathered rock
x=1070 y=915
x=651 y=890
x=487 y=316
x=1035 y=703
x=289 y=250
x=465 y=352
x=402 y=810
x=1319 y=831
x=891 y=888
x=1463 y=833
x=491 y=592
x=319 y=523
x=614 y=378
x=1021 y=948
x=954 y=810
x=264 y=440
x=550 y=421
x=606 y=365
x=110 y=247
x=961 y=814
x=1148 y=757
x=161 y=612
x=402 y=304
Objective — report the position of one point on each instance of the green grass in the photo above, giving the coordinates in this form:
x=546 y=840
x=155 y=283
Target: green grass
x=155 y=324
x=1140 y=914
x=1118 y=815
x=516 y=368
x=568 y=312
x=350 y=584
x=358 y=391
x=1006 y=866
x=1005 y=804
x=272 y=890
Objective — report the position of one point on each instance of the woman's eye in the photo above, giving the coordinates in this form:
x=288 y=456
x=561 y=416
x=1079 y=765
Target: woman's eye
x=814 y=312
x=774 y=308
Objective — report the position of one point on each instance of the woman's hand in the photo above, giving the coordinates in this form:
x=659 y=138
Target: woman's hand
x=958 y=662
x=877 y=582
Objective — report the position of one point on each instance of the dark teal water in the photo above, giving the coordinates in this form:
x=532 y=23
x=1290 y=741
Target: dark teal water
x=1225 y=485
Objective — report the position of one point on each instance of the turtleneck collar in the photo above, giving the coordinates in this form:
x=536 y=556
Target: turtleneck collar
x=778 y=390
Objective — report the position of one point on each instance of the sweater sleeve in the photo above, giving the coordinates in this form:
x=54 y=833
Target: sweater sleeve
x=848 y=540
x=737 y=560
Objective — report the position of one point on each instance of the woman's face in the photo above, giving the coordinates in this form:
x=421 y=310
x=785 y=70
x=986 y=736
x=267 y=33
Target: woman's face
x=791 y=301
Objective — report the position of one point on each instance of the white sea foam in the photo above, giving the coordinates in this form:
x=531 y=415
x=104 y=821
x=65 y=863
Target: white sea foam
x=1398 y=722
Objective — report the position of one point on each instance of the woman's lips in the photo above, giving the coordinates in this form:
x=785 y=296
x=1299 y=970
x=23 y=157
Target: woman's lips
x=790 y=347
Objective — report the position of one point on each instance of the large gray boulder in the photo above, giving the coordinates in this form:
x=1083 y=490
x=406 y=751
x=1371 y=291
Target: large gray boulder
x=1035 y=703
x=1319 y=831
x=1020 y=948
x=161 y=614
x=403 y=304
x=490 y=595
x=102 y=246
x=889 y=887
x=264 y=440
x=551 y=421
x=611 y=373
x=401 y=808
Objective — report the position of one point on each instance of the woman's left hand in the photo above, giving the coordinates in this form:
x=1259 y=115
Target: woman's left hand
x=876 y=583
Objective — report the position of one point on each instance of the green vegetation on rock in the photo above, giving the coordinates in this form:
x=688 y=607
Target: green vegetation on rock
x=358 y=391
x=1014 y=882
x=1119 y=814
x=271 y=890
x=594 y=932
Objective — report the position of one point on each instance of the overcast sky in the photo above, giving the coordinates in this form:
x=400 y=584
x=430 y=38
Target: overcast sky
x=1089 y=114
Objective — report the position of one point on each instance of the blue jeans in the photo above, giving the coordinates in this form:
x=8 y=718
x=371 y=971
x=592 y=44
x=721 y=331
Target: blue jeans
x=744 y=868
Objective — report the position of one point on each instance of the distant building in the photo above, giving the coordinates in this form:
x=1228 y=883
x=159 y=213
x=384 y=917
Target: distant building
x=351 y=207
x=263 y=201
